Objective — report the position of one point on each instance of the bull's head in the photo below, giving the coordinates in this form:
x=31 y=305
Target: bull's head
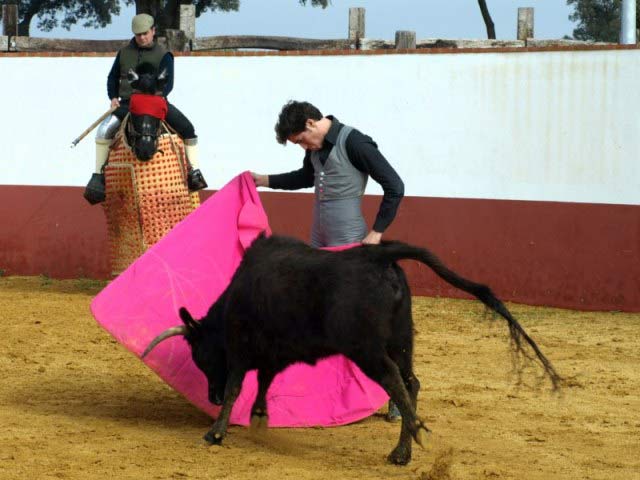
x=207 y=351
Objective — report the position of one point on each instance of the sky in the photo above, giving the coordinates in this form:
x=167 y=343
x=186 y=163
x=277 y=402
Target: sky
x=453 y=19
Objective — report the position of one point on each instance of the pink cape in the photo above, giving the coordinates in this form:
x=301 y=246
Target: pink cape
x=191 y=266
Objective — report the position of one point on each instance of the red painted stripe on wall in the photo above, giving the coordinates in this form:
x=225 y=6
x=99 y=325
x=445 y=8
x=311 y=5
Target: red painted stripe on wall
x=584 y=256
x=51 y=231
x=572 y=255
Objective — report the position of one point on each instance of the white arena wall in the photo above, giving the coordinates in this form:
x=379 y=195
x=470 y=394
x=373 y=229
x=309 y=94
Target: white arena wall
x=552 y=130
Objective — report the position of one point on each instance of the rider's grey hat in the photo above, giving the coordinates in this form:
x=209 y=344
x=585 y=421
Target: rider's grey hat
x=142 y=23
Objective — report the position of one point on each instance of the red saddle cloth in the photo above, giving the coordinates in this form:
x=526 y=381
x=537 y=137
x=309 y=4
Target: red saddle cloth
x=145 y=104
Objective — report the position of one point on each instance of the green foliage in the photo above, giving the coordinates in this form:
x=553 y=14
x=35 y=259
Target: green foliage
x=598 y=20
x=214 y=5
x=316 y=3
x=66 y=13
x=229 y=5
x=98 y=13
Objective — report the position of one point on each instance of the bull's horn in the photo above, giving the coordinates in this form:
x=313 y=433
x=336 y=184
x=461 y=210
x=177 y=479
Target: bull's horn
x=172 y=332
x=132 y=76
x=163 y=74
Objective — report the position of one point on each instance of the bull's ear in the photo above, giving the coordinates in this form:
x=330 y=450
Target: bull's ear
x=132 y=76
x=188 y=320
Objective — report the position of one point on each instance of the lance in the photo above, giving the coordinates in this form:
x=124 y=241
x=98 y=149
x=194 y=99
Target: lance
x=92 y=126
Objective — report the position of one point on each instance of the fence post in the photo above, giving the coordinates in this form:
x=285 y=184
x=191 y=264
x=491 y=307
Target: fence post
x=628 y=32
x=405 y=39
x=176 y=40
x=525 y=23
x=10 y=20
x=356 y=25
x=187 y=22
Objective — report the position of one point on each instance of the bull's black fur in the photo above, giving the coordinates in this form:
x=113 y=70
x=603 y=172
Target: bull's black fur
x=288 y=302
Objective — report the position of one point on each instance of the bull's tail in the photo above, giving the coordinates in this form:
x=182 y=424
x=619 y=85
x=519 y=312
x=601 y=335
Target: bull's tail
x=394 y=251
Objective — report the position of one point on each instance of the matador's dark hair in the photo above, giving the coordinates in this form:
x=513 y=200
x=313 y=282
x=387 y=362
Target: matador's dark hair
x=293 y=118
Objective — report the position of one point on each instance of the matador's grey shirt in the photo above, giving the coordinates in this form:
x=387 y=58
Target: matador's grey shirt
x=361 y=153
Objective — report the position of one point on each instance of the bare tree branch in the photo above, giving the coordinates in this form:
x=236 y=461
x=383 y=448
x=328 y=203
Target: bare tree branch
x=486 y=16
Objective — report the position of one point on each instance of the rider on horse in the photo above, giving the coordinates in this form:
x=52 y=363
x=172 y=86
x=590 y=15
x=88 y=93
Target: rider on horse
x=141 y=49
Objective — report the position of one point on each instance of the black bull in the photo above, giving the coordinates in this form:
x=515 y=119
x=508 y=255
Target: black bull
x=288 y=302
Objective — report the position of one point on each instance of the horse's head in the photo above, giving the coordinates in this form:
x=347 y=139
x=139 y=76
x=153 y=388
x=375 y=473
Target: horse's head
x=142 y=135
x=147 y=110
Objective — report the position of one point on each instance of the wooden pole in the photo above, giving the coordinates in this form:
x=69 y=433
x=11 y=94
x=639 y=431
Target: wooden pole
x=356 y=25
x=525 y=23
x=92 y=126
x=10 y=20
x=405 y=39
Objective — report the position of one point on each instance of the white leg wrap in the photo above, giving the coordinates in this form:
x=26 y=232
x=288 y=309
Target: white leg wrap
x=102 y=153
x=192 y=153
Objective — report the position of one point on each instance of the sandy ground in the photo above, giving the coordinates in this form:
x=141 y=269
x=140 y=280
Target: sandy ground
x=76 y=405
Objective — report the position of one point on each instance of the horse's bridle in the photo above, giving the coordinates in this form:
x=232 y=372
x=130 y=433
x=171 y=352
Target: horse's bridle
x=150 y=132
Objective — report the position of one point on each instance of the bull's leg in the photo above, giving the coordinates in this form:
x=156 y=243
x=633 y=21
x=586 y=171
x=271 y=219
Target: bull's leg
x=231 y=392
x=385 y=372
x=400 y=350
x=411 y=383
x=259 y=415
x=402 y=357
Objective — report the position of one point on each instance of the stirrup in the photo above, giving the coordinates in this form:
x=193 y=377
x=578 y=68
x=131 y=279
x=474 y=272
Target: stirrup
x=195 y=180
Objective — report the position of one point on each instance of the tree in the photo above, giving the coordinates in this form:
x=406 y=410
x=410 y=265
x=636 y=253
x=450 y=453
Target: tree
x=98 y=13
x=486 y=16
x=167 y=12
x=66 y=13
x=598 y=20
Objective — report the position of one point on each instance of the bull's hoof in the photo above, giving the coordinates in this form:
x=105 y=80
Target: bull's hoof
x=400 y=456
x=214 y=438
x=259 y=422
x=422 y=433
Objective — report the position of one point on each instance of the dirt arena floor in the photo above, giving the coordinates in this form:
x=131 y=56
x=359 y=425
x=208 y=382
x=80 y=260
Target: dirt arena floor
x=76 y=405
